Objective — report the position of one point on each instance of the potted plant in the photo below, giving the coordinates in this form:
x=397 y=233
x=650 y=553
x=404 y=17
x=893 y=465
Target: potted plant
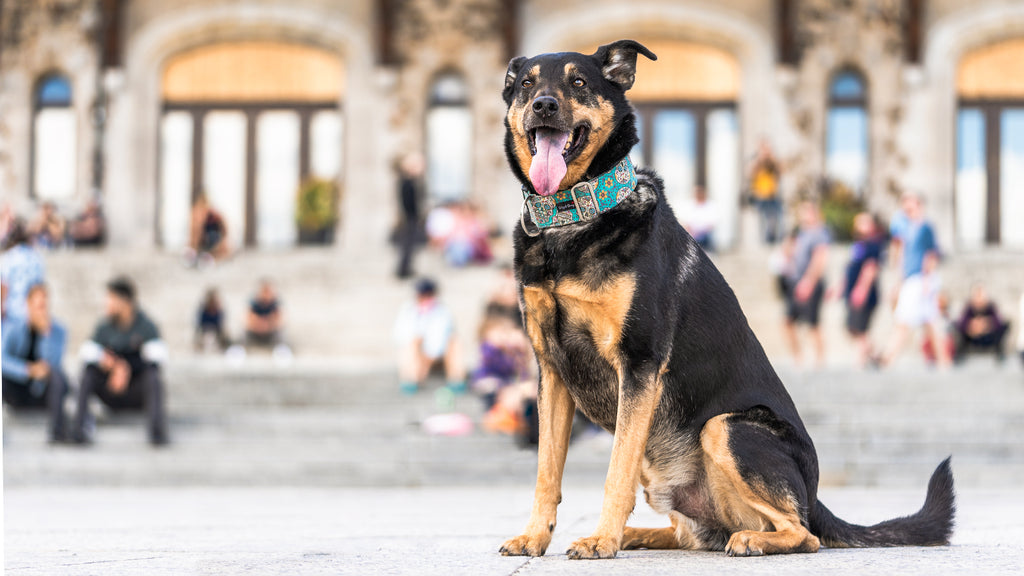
x=316 y=211
x=840 y=205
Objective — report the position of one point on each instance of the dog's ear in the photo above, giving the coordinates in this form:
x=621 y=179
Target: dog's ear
x=514 y=66
x=618 y=61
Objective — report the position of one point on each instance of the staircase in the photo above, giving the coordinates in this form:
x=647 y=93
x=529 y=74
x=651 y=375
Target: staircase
x=334 y=416
x=322 y=424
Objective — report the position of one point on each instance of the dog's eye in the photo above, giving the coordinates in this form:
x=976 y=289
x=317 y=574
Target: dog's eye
x=579 y=83
x=527 y=83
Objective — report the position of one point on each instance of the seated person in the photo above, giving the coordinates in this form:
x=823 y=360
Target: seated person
x=425 y=335
x=980 y=327
x=48 y=228
x=504 y=378
x=122 y=365
x=33 y=350
x=89 y=228
x=264 y=322
x=210 y=322
x=208 y=237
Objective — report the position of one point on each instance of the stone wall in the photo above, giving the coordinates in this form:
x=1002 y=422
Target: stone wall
x=911 y=106
x=40 y=38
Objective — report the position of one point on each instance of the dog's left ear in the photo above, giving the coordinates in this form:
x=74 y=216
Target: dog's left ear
x=514 y=66
x=618 y=61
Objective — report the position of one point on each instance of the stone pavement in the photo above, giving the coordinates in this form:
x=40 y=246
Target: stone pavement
x=443 y=531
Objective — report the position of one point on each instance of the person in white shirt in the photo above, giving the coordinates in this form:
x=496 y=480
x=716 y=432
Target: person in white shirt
x=700 y=218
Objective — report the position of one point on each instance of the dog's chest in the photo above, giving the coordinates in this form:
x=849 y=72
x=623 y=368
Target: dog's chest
x=577 y=330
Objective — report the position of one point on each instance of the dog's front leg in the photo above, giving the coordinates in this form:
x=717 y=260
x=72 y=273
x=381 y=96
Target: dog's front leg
x=637 y=403
x=555 y=411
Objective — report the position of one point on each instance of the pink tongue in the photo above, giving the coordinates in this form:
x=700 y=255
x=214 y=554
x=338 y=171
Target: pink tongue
x=548 y=167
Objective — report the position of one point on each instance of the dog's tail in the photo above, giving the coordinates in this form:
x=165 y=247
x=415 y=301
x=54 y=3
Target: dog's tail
x=930 y=526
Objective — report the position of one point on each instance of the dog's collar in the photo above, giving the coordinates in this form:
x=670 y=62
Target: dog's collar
x=582 y=202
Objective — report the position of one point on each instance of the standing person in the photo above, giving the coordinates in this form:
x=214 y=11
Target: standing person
x=861 y=289
x=913 y=236
x=20 y=268
x=425 y=335
x=764 y=192
x=410 y=186
x=700 y=219
x=1020 y=329
x=122 y=365
x=33 y=354
x=918 y=306
x=806 y=283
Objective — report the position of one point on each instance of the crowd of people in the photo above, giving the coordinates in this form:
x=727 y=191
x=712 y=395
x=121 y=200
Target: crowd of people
x=458 y=230
x=49 y=229
x=919 y=301
x=121 y=362
x=505 y=379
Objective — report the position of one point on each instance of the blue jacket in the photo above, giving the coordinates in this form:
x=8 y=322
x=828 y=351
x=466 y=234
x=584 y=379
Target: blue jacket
x=15 y=348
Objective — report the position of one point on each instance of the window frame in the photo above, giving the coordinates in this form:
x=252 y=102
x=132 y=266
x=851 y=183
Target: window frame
x=859 y=102
x=37 y=107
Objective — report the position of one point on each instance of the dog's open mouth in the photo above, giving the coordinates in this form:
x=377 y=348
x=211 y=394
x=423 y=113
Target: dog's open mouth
x=552 y=151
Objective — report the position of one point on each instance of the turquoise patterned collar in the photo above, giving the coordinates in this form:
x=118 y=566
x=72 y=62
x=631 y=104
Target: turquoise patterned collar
x=583 y=201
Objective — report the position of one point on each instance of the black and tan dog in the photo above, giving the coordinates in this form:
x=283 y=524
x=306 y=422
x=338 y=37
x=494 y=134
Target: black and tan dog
x=633 y=325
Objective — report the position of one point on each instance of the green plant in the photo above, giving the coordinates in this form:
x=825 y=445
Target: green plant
x=840 y=205
x=316 y=207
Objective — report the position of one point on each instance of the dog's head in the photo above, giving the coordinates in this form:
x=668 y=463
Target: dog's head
x=568 y=118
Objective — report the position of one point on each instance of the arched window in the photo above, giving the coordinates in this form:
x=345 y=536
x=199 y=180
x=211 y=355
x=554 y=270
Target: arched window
x=846 y=136
x=449 y=139
x=53 y=139
x=686 y=111
x=989 y=202
x=246 y=123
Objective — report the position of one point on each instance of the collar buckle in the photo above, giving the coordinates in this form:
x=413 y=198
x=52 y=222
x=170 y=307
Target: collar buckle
x=586 y=206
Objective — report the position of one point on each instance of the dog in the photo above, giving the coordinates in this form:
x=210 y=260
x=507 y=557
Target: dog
x=634 y=326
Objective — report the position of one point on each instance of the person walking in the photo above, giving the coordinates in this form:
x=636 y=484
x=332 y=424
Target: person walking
x=410 y=184
x=861 y=289
x=764 y=192
x=21 y=267
x=806 y=281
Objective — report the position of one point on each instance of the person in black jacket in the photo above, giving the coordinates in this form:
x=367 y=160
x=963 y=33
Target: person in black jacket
x=409 y=185
x=122 y=365
x=980 y=327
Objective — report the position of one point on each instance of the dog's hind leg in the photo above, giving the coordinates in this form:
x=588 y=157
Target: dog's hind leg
x=764 y=506
x=675 y=537
x=652 y=538
x=555 y=409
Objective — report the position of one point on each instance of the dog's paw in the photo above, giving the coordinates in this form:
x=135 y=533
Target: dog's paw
x=592 y=548
x=745 y=543
x=526 y=545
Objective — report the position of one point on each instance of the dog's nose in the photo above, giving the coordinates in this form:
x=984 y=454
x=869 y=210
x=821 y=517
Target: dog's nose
x=545 y=106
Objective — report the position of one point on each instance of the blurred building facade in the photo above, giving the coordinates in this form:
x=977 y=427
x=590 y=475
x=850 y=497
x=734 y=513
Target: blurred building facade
x=145 y=104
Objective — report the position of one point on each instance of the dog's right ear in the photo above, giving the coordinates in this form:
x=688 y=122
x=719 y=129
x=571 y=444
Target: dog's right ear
x=514 y=66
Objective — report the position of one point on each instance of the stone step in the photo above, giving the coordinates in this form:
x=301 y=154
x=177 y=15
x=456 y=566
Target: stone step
x=325 y=425
x=343 y=306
